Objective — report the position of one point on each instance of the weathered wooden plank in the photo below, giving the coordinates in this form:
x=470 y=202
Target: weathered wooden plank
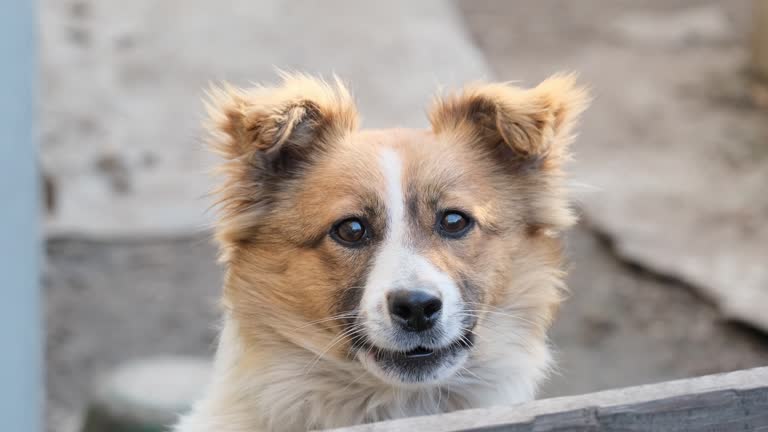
x=722 y=402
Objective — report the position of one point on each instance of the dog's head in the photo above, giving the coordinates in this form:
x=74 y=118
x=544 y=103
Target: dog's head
x=393 y=248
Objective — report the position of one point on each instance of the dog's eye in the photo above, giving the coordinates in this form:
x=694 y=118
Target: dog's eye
x=349 y=232
x=454 y=223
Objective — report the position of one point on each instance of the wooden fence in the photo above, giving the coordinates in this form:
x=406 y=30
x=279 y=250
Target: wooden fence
x=735 y=401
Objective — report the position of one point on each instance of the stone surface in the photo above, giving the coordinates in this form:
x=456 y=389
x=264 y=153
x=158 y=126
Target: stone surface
x=123 y=82
x=673 y=153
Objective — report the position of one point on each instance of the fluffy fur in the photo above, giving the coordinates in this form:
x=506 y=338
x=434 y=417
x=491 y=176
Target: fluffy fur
x=295 y=163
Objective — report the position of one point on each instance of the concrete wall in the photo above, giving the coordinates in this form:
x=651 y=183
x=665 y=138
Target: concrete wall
x=20 y=322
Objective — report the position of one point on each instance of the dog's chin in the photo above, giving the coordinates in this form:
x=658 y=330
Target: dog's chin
x=417 y=367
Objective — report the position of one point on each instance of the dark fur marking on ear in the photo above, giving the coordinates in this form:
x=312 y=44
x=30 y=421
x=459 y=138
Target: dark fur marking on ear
x=502 y=135
x=302 y=119
x=293 y=144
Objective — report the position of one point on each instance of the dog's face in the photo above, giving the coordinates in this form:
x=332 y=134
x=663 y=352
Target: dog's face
x=392 y=247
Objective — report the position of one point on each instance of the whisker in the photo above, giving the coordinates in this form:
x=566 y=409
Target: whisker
x=505 y=337
x=514 y=342
x=476 y=376
x=334 y=342
x=331 y=318
x=353 y=381
x=507 y=315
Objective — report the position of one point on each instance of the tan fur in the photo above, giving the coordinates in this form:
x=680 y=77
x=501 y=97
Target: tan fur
x=244 y=123
x=283 y=363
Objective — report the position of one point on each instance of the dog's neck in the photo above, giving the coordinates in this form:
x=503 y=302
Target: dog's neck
x=257 y=390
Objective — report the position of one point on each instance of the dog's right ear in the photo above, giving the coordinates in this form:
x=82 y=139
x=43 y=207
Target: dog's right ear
x=267 y=135
x=276 y=128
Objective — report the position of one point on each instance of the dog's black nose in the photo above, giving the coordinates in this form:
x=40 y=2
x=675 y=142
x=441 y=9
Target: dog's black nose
x=414 y=310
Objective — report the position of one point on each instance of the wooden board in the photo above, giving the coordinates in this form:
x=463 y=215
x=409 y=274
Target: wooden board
x=723 y=402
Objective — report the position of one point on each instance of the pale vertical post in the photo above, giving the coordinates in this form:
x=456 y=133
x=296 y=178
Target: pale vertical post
x=21 y=367
x=760 y=39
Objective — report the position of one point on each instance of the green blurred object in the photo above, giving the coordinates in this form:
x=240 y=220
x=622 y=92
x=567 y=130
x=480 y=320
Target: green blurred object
x=146 y=395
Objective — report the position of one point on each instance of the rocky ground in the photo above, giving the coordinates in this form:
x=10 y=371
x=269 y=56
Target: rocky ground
x=109 y=300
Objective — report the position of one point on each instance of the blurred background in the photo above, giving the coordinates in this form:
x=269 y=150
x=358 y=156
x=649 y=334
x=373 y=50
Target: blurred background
x=669 y=276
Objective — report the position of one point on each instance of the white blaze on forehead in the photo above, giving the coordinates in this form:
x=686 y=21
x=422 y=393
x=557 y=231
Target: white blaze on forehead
x=392 y=167
x=392 y=249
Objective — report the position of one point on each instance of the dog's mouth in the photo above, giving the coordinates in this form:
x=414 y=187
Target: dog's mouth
x=418 y=365
x=423 y=354
x=419 y=352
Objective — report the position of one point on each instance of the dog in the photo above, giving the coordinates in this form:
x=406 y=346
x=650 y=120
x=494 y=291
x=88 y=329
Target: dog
x=379 y=274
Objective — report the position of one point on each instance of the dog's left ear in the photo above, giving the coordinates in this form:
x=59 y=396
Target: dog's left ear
x=513 y=123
